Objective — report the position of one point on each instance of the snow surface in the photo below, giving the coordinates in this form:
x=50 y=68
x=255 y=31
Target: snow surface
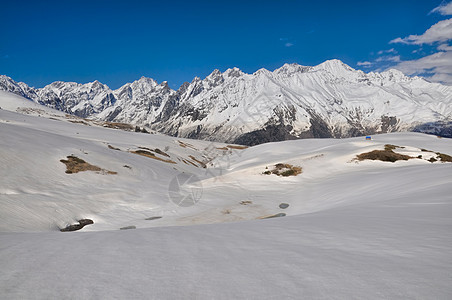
x=354 y=230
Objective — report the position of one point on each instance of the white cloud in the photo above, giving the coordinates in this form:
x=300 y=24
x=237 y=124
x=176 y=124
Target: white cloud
x=444 y=47
x=443 y=9
x=288 y=44
x=438 y=65
x=390 y=58
x=392 y=50
x=364 y=63
x=439 y=32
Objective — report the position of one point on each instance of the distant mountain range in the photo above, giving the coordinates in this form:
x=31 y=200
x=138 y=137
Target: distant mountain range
x=328 y=100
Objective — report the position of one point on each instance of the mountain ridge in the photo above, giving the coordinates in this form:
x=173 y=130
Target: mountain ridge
x=294 y=101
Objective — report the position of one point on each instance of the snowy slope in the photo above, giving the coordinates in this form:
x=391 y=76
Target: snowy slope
x=294 y=101
x=353 y=230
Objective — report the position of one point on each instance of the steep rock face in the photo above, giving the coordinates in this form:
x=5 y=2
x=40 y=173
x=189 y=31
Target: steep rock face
x=294 y=101
x=82 y=100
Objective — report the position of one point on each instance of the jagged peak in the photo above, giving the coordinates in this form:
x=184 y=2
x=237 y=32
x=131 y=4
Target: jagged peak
x=164 y=84
x=183 y=87
x=97 y=84
x=262 y=71
x=4 y=77
x=214 y=73
x=195 y=80
x=392 y=75
x=289 y=68
x=233 y=72
x=146 y=80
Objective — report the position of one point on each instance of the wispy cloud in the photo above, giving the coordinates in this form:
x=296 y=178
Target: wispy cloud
x=439 y=32
x=365 y=64
x=288 y=42
x=392 y=50
x=395 y=58
x=444 y=9
x=444 y=47
x=437 y=66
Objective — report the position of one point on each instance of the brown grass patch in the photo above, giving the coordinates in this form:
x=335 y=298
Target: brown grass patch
x=237 y=147
x=122 y=126
x=384 y=155
x=444 y=157
x=152 y=155
x=75 y=165
x=222 y=148
x=202 y=164
x=186 y=145
x=284 y=170
x=158 y=151
x=187 y=162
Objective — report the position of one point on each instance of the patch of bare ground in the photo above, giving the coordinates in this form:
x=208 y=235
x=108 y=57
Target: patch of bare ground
x=81 y=223
x=439 y=156
x=273 y=216
x=75 y=165
x=246 y=202
x=30 y=110
x=116 y=125
x=384 y=155
x=202 y=164
x=389 y=155
x=187 y=162
x=79 y=122
x=158 y=151
x=152 y=155
x=389 y=147
x=443 y=157
x=284 y=170
x=237 y=147
x=186 y=145
x=113 y=148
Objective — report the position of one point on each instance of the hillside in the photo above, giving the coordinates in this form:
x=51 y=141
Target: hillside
x=347 y=228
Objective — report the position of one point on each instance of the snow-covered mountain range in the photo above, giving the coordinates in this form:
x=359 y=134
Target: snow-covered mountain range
x=328 y=100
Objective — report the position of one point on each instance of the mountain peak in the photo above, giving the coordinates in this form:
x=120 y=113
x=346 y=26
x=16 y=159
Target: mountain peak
x=334 y=65
x=234 y=72
x=292 y=68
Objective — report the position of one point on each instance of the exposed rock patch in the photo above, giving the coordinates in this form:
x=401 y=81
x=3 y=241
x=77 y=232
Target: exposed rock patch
x=81 y=223
x=128 y=227
x=284 y=170
x=284 y=205
x=153 y=218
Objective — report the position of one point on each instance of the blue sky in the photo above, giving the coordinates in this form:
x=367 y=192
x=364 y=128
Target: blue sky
x=119 y=41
